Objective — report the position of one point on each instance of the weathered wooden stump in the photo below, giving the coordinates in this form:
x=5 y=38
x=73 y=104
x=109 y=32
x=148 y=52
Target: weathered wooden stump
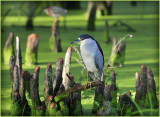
x=8 y=49
x=106 y=38
x=31 y=56
x=12 y=64
x=37 y=108
x=118 y=53
x=144 y=80
x=19 y=56
x=54 y=41
x=126 y=105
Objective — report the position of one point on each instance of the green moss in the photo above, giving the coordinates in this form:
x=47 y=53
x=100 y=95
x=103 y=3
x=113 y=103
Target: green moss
x=97 y=103
x=7 y=53
x=31 y=58
x=78 y=109
x=118 y=59
x=63 y=108
x=60 y=97
x=52 y=43
x=16 y=109
x=114 y=99
x=151 y=101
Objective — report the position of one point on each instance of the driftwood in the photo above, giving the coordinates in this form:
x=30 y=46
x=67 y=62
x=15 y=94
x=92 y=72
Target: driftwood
x=106 y=33
x=58 y=76
x=8 y=49
x=55 y=41
x=12 y=64
x=31 y=56
x=18 y=57
x=118 y=57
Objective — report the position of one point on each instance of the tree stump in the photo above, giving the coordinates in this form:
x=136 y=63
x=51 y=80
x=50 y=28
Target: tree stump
x=31 y=56
x=106 y=38
x=58 y=76
x=92 y=15
x=118 y=53
x=8 y=49
x=54 y=41
x=12 y=64
x=37 y=108
x=18 y=57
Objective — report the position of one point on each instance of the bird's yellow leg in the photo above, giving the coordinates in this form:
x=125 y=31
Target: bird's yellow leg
x=96 y=74
x=87 y=75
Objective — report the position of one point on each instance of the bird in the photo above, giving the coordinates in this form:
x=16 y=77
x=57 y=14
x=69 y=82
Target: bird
x=55 y=11
x=92 y=55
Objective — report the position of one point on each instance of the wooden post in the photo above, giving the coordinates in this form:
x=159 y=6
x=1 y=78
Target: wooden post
x=119 y=54
x=31 y=56
x=106 y=38
x=37 y=108
x=8 y=49
x=18 y=57
x=12 y=64
x=58 y=76
x=54 y=41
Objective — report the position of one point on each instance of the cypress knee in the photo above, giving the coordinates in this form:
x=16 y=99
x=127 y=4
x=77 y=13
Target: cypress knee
x=106 y=38
x=19 y=56
x=58 y=76
x=12 y=64
x=8 y=49
x=31 y=56
x=37 y=108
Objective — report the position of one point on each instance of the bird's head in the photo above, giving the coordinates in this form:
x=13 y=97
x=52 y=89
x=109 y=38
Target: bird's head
x=83 y=38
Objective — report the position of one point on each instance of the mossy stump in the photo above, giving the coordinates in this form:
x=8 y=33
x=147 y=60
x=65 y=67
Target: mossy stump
x=8 y=49
x=126 y=105
x=118 y=57
x=31 y=56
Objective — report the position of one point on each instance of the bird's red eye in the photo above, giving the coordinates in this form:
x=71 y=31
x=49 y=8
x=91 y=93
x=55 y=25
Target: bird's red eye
x=83 y=38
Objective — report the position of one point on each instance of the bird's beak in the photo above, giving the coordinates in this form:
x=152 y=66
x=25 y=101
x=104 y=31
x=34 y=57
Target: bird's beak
x=75 y=41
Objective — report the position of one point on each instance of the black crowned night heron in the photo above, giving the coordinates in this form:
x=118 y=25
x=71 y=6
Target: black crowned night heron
x=55 y=11
x=92 y=55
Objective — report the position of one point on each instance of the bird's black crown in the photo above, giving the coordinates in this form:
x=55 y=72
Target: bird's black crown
x=85 y=36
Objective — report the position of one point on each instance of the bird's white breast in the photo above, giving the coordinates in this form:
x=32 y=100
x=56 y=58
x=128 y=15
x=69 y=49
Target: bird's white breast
x=88 y=52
